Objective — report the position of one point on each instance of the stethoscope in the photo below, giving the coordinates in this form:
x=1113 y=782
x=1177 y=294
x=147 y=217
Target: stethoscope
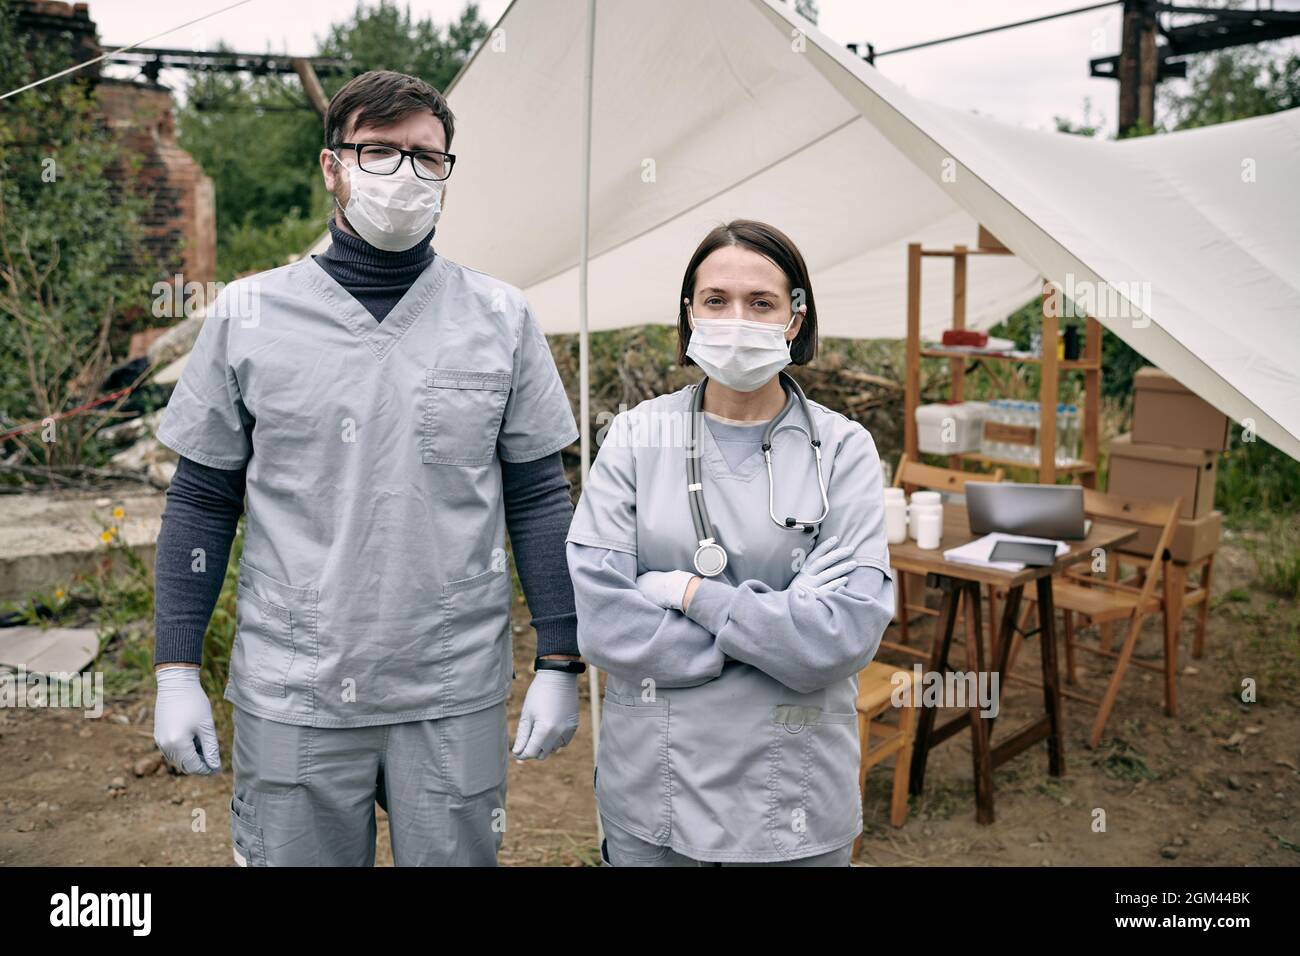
x=711 y=557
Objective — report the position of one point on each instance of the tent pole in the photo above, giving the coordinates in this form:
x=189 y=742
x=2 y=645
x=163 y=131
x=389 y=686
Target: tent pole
x=593 y=678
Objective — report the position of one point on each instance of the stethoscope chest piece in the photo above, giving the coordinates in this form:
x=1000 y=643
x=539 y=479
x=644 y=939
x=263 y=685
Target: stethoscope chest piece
x=710 y=559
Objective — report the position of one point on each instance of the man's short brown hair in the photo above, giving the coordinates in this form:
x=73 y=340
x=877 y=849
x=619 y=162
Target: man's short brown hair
x=383 y=97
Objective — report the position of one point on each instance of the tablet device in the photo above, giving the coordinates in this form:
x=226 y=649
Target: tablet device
x=1024 y=552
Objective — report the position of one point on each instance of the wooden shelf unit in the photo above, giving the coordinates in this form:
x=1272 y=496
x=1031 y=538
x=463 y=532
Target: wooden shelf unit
x=1085 y=471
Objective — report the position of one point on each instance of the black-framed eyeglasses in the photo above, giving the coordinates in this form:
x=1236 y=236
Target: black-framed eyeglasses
x=383 y=160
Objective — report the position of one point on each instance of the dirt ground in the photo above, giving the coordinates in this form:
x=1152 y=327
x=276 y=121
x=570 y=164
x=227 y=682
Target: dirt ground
x=1219 y=784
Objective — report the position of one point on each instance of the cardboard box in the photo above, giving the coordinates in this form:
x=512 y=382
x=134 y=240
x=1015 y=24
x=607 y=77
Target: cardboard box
x=1162 y=472
x=1166 y=413
x=1193 y=539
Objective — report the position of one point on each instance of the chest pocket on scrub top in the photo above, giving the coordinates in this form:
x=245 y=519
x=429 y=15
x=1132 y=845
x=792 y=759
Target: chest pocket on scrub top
x=462 y=415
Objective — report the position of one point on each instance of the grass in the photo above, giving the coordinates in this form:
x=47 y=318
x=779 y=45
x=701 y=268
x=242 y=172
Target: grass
x=117 y=600
x=1285 y=843
x=1056 y=788
x=1270 y=655
x=1255 y=483
x=1120 y=760
x=1277 y=555
x=1235 y=596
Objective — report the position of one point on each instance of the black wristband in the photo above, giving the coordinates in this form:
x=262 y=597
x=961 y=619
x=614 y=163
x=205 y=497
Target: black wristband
x=569 y=667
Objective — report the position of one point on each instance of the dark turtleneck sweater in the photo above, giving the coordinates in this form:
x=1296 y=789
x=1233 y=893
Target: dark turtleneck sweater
x=375 y=278
x=204 y=503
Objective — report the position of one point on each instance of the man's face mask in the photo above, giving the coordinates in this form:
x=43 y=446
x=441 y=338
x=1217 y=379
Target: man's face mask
x=391 y=212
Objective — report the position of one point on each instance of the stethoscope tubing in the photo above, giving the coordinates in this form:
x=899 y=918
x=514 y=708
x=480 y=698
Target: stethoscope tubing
x=703 y=526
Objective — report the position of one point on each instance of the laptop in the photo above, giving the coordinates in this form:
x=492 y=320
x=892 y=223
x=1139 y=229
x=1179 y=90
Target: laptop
x=1040 y=511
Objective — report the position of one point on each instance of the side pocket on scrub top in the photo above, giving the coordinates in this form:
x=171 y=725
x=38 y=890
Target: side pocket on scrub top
x=276 y=632
x=812 y=777
x=475 y=650
x=632 y=779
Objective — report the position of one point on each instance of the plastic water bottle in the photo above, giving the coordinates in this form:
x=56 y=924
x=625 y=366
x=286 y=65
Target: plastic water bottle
x=992 y=416
x=1019 y=451
x=1066 y=426
x=1062 y=437
x=1030 y=420
x=1006 y=449
x=1073 y=448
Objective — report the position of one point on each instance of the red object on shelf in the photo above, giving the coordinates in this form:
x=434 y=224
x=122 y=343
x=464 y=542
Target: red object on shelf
x=965 y=337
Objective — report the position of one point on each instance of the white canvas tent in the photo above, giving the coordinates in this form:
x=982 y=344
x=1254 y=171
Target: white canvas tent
x=597 y=143
x=702 y=112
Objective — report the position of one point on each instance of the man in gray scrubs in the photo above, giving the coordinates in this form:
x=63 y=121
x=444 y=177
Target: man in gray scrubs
x=388 y=414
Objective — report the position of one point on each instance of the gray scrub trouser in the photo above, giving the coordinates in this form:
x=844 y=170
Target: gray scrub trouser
x=622 y=848
x=305 y=796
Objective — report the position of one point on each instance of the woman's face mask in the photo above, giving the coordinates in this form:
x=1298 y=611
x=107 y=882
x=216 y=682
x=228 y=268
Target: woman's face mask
x=391 y=212
x=739 y=353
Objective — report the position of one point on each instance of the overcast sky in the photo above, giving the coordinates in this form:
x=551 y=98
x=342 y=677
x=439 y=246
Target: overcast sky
x=1025 y=76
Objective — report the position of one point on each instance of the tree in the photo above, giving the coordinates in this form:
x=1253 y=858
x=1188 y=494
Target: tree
x=386 y=37
x=1087 y=128
x=258 y=138
x=71 y=256
x=1232 y=84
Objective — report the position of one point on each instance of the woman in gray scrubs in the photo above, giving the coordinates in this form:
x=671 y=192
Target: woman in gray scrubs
x=732 y=597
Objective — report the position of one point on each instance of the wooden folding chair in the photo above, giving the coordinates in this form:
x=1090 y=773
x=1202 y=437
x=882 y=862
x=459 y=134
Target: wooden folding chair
x=911 y=476
x=1183 y=592
x=876 y=684
x=1103 y=601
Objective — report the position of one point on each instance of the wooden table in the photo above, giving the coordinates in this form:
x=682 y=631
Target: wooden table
x=956 y=579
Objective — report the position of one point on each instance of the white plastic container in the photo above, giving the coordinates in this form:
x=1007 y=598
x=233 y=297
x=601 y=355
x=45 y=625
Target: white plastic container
x=923 y=502
x=944 y=429
x=895 y=517
x=930 y=531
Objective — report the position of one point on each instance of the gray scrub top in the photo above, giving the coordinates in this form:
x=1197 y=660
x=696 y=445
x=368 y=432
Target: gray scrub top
x=729 y=732
x=736 y=441
x=374 y=586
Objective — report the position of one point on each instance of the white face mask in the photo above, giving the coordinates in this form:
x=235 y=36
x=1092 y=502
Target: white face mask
x=391 y=212
x=739 y=353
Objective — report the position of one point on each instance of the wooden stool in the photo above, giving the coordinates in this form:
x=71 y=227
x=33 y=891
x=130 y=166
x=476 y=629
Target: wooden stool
x=876 y=686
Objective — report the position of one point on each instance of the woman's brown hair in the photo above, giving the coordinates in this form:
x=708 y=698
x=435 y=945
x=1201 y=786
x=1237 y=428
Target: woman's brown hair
x=772 y=244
